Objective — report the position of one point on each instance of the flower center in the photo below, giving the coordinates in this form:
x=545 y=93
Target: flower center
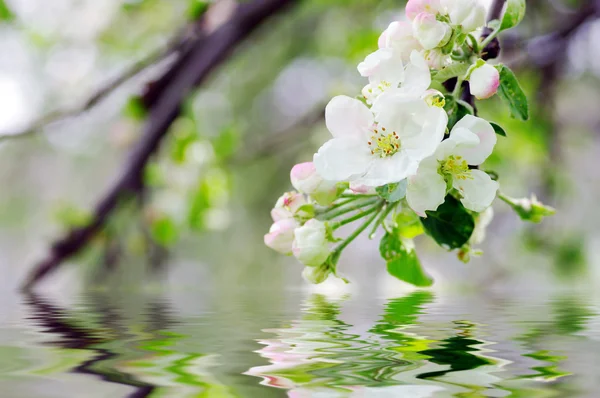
x=383 y=144
x=455 y=166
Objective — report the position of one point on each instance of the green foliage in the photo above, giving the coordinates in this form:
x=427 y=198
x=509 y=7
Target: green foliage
x=402 y=260
x=498 y=129
x=70 y=216
x=134 y=109
x=164 y=231
x=513 y=14
x=512 y=94
x=393 y=192
x=196 y=8
x=451 y=225
x=408 y=224
x=6 y=14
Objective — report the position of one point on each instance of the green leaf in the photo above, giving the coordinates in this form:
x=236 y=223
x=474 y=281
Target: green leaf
x=513 y=14
x=454 y=70
x=512 y=94
x=498 y=129
x=408 y=224
x=134 y=108
x=402 y=260
x=451 y=225
x=392 y=192
x=164 y=231
x=5 y=12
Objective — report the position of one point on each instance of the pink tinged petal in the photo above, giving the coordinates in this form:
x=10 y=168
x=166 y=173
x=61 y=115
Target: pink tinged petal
x=475 y=155
x=484 y=81
x=341 y=159
x=281 y=236
x=383 y=38
x=305 y=178
x=430 y=32
x=362 y=189
x=389 y=170
x=415 y=7
x=278 y=214
x=347 y=117
x=478 y=192
x=426 y=191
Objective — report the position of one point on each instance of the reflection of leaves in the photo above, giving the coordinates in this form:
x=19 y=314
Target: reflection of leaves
x=571 y=315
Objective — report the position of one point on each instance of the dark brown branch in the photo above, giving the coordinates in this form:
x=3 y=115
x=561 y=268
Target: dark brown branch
x=205 y=54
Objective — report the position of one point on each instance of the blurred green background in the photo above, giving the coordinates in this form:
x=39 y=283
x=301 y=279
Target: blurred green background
x=227 y=158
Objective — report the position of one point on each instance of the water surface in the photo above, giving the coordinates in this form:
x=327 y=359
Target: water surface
x=421 y=344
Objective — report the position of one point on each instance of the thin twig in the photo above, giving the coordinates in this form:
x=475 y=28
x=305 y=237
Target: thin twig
x=206 y=53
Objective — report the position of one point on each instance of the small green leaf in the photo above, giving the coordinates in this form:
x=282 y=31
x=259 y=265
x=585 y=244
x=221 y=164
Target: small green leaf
x=392 y=192
x=454 y=70
x=498 y=129
x=513 y=14
x=512 y=94
x=164 y=231
x=134 y=108
x=451 y=225
x=408 y=224
x=402 y=260
x=494 y=24
x=5 y=12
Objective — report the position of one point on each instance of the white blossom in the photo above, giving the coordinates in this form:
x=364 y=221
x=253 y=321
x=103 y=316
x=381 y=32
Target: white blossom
x=470 y=143
x=469 y=14
x=306 y=180
x=288 y=205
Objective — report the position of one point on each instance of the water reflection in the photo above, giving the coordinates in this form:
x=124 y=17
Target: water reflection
x=419 y=345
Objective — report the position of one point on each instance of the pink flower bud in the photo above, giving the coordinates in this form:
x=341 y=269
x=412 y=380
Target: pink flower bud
x=430 y=32
x=416 y=7
x=362 y=189
x=281 y=236
x=310 y=245
x=305 y=179
x=287 y=205
x=399 y=36
x=484 y=81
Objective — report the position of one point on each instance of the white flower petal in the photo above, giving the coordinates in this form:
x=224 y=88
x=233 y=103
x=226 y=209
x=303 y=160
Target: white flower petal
x=388 y=170
x=417 y=76
x=383 y=66
x=347 y=117
x=340 y=159
x=475 y=155
x=426 y=190
x=431 y=134
x=478 y=192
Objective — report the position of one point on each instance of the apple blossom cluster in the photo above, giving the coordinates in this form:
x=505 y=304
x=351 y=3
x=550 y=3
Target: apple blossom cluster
x=406 y=154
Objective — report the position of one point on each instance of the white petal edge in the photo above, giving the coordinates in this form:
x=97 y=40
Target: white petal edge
x=478 y=192
x=487 y=139
x=347 y=117
x=426 y=191
x=341 y=159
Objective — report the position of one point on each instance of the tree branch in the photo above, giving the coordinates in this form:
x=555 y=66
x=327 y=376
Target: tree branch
x=204 y=55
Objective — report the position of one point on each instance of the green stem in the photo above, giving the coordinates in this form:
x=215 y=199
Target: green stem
x=355 y=217
x=458 y=87
x=383 y=215
x=358 y=231
x=489 y=39
x=474 y=44
x=339 y=204
x=357 y=195
x=343 y=210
